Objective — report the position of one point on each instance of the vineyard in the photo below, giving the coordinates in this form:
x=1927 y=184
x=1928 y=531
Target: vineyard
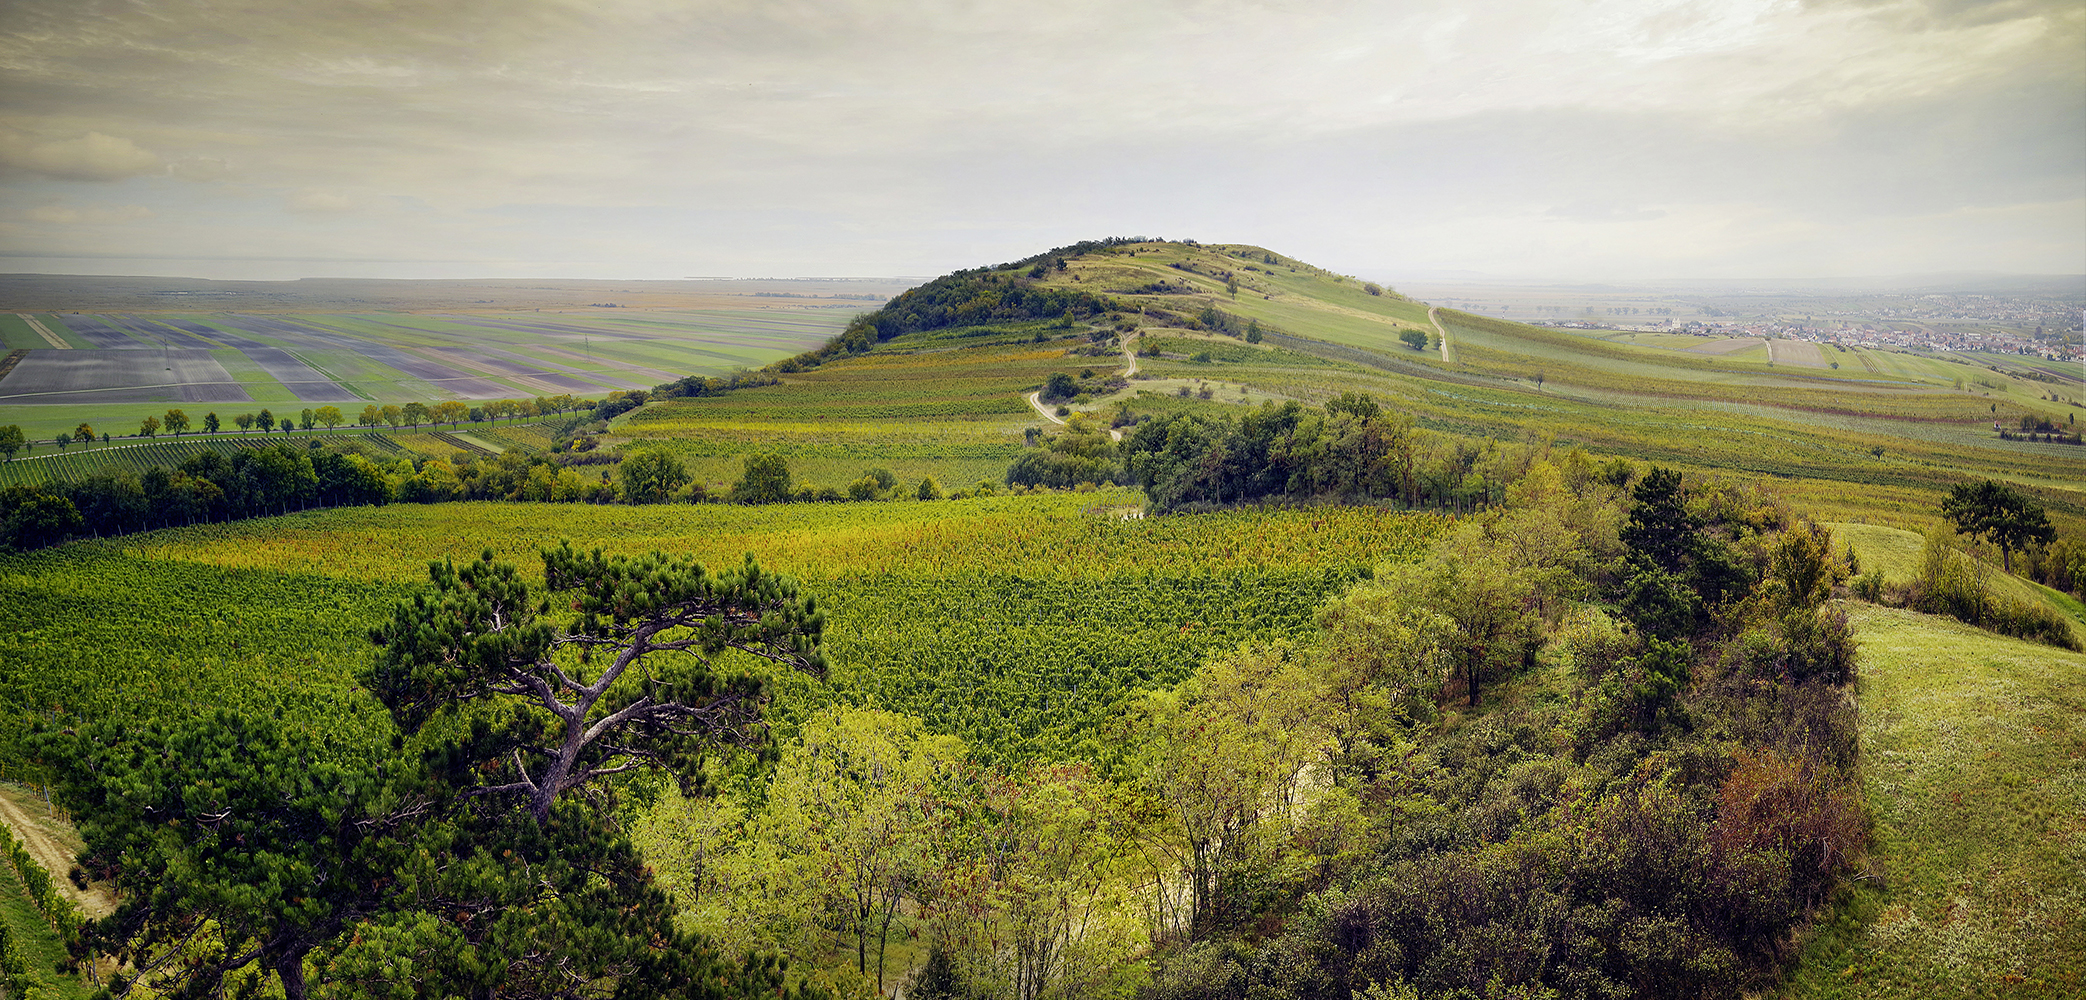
x=1015 y=621
x=78 y=463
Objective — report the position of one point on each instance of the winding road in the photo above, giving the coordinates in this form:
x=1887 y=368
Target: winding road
x=1036 y=398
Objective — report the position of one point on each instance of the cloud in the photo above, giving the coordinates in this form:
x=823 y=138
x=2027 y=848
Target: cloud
x=198 y=168
x=93 y=215
x=663 y=137
x=91 y=157
x=1605 y=211
x=321 y=202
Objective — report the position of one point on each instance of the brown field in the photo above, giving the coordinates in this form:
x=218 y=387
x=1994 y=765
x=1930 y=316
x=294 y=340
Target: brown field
x=1795 y=352
x=1726 y=346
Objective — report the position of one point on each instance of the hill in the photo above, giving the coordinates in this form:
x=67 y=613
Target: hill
x=1518 y=737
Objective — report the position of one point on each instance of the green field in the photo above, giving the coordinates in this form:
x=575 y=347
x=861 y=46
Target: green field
x=1972 y=750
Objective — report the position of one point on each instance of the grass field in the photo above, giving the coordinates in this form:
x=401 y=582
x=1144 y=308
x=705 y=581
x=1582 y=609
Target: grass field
x=1974 y=756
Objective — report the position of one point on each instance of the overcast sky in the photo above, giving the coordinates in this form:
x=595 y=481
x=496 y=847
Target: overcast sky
x=1607 y=139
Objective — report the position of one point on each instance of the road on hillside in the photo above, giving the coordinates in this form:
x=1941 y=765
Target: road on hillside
x=1434 y=317
x=1036 y=400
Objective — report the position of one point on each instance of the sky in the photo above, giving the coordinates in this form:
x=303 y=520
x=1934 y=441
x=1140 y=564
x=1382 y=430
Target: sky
x=1604 y=140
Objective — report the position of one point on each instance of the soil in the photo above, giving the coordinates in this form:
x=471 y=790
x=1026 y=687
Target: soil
x=49 y=842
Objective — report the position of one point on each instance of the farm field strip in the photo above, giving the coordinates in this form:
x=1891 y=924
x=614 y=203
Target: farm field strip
x=169 y=334
x=456 y=381
x=54 y=325
x=119 y=377
x=22 y=331
x=102 y=336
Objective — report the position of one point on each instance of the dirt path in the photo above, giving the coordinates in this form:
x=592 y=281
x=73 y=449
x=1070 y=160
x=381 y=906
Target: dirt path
x=1036 y=400
x=1434 y=317
x=20 y=809
x=45 y=332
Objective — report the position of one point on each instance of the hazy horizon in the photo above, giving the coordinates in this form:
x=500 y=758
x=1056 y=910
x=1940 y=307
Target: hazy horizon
x=1645 y=140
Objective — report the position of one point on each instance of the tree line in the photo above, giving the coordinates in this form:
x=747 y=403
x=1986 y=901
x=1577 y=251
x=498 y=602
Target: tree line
x=1350 y=450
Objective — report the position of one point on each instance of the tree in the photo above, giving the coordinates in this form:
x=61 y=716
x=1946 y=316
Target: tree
x=371 y=416
x=62 y=440
x=231 y=840
x=600 y=690
x=210 y=423
x=329 y=415
x=11 y=440
x=265 y=421
x=1999 y=514
x=415 y=413
x=1415 y=339
x=1224 y=753
x=765 y=480
x=307 y=419
x=928 y=489
x=31 y=518
x=83 y=434
x=244 y=420
x=463 y=862
x=175 y=422
x=149 y=428
x=392 y=416
x=449 y=411
x=650 y=476
x=851 y=801
x=1060 y=386
x=1253 y=334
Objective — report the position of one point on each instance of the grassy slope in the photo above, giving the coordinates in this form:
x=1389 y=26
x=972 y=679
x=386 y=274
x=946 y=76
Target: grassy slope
x=1975 y=758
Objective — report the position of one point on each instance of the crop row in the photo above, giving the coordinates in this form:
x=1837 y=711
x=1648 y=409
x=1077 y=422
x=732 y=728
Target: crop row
x=137 y=459
x=59 y=912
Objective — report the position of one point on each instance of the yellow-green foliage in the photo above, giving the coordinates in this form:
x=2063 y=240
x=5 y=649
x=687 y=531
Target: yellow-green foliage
x=1971 y=748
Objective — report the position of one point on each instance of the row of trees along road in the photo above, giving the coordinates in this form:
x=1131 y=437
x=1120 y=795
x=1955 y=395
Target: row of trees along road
x=453 y=412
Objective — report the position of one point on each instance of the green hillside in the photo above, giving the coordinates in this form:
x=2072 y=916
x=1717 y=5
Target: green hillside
x=1479 y=700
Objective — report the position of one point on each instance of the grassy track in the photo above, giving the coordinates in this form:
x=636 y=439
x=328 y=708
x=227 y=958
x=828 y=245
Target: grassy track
x=1974 y=755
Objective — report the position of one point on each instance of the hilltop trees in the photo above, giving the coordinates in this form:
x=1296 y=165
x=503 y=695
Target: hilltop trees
x=11 y=440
